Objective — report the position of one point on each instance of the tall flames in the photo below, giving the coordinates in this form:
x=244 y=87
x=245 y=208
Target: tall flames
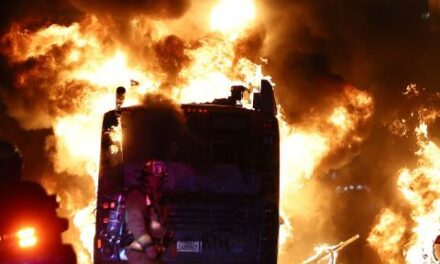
x=304 y=149
x=410 y=239
x=77 y=67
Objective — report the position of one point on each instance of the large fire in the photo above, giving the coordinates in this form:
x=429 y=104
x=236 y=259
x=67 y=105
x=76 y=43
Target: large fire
x=230 y=16
x=83 y=57
x=395 y=239
x=83 y=61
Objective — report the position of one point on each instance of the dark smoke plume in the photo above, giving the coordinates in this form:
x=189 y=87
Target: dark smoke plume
x=251 y=44
x=33 y=92
x=36 y=13
x=363 y=42
x=156 y=129
x=127 y=9
x=315 y=49
x=171 y=57
x=36 y=88
x=32 y=14
x=379 y=46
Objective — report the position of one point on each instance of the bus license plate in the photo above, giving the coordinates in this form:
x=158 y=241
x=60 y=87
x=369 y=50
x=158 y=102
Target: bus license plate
x=189 y=246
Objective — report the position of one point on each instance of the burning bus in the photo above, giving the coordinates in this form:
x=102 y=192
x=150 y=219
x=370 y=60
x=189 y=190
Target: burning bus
x=219 y=180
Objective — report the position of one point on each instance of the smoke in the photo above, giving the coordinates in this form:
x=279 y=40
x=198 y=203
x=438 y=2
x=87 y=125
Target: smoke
x=128 y=9
x=251 y=44
x=45 y=49
x=321 y=55
x=36 y=13
x=171 y=57
x=42 y=95
x=314 y=49
x=362 y=43
x=162 y=123
x=33 y=15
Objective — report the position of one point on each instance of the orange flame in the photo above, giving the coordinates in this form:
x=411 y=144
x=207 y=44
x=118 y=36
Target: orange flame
x=303 y=149
x=84 y=56
x=420 y=187
x=87 y=54
x=232 y=17
x=387 y=236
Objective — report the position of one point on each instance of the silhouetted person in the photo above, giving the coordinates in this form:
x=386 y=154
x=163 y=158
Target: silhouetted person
x=26 y=205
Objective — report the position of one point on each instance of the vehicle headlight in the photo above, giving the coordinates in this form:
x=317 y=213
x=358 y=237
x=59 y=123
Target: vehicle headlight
x=27 y=237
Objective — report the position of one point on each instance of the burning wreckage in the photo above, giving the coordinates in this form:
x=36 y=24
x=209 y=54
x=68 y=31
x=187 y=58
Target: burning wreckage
x=197 y=183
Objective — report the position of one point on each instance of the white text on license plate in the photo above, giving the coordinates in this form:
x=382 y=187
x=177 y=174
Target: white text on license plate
x=189 y=246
